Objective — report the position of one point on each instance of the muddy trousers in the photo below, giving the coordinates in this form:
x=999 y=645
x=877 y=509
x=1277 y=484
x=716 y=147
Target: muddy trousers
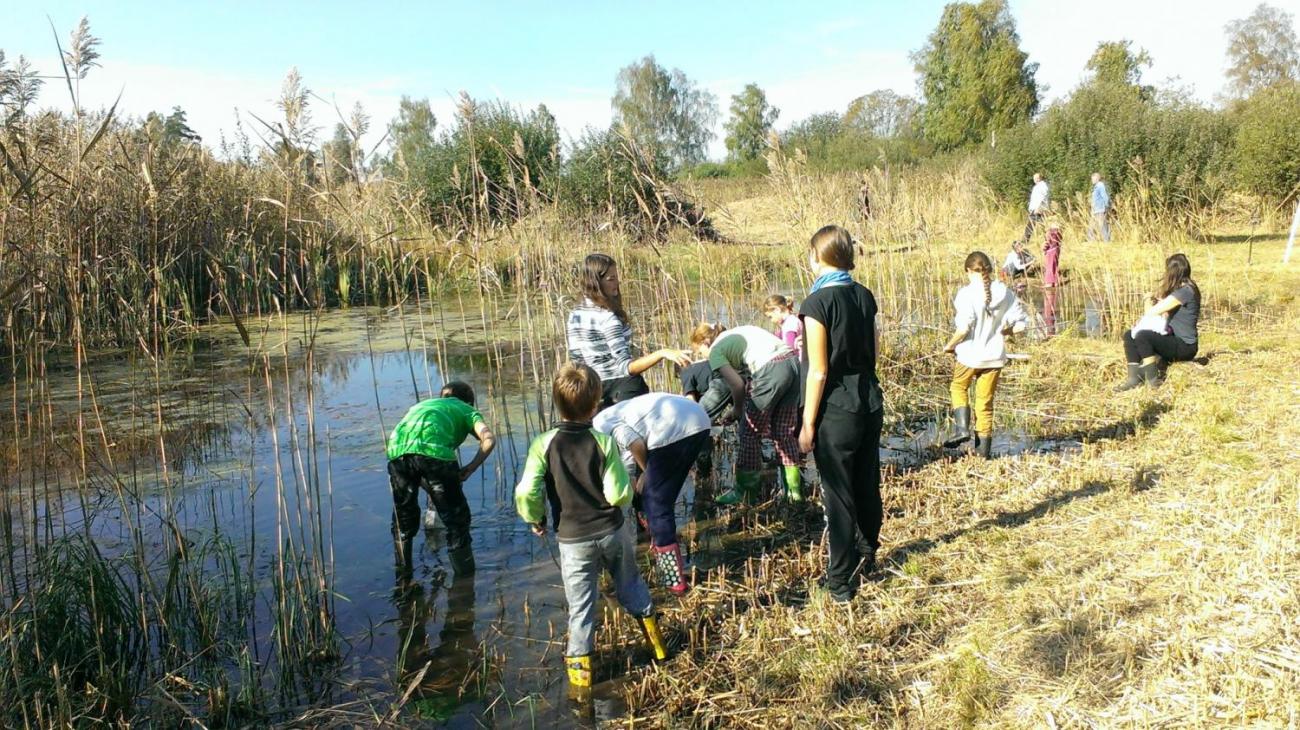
x=986 y=384
x=847 y=450
x=665 y=471
x=581 y=564
x=441 y=480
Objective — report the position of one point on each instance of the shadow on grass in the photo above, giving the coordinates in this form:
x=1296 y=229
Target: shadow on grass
x=1262 y=237
x=1148 y=417
x=922 y=545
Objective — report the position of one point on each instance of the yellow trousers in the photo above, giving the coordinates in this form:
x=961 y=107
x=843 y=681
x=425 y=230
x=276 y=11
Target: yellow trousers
x=986 y=384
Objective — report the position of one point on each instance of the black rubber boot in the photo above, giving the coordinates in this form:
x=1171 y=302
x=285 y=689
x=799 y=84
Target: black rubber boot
x=1150 y=371
x=984 y=447
x=960 y=427
x=1134 y=378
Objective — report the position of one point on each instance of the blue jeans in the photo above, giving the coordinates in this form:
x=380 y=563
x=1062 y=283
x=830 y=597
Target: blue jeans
x=581 y=564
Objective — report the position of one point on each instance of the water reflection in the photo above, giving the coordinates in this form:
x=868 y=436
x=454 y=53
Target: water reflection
x=440 y=677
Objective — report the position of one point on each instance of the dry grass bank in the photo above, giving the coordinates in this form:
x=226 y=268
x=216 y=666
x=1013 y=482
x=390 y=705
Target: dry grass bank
x=1149 y=580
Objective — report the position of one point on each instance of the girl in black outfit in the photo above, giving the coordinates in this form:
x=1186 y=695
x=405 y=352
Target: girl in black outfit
x=1180 y=298
x=843 y=408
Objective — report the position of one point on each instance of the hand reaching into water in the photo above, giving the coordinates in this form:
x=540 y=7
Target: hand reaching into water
x=538 y=528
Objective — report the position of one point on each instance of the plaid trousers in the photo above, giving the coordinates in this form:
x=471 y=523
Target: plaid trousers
x=781 y=424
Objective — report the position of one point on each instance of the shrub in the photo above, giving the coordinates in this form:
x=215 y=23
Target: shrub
x=495 y=165
x=1175 y=147
x=1268 y=142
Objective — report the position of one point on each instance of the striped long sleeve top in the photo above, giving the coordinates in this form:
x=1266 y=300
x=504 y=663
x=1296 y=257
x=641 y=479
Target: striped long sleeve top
x=599 y=339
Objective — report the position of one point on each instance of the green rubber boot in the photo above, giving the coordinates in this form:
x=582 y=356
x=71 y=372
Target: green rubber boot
x=745 y=488
x=793 y=484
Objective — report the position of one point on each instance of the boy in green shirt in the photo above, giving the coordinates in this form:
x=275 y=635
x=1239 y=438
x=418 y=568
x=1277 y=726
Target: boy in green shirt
x=422 y=452
x=581 y=472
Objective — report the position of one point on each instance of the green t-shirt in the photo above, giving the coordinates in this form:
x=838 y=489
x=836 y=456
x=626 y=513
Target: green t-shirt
x=434 y=428
x=746 y=349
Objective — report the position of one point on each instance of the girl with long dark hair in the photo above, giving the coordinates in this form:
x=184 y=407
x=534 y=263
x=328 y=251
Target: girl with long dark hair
x=599 y=335
x=1179 y=298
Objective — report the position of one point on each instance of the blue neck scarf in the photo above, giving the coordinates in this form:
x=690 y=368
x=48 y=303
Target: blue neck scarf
x=838 y=277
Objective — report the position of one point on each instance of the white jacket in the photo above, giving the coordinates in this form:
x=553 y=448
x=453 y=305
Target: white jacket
x=1038 y=197
x=984 y=347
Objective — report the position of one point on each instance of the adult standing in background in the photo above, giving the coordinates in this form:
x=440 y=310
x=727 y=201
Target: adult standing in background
x=600 y=336
x=1038 y=202
x=1100 y=209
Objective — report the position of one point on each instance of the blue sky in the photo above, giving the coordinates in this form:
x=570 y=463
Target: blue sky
x=212 y=58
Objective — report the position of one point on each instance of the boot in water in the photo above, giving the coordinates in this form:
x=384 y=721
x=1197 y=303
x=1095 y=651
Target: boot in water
x=650 y=628
x=671 y=569
x=1134 y=378
x=1150 y=371
x=579 y=671
x=744 y=490
x=793 y=484
x=984 y=445
x=960 y=428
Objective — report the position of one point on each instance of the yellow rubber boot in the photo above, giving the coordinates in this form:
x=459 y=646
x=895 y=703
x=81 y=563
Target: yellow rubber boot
x=579 y=670
x=650 y=628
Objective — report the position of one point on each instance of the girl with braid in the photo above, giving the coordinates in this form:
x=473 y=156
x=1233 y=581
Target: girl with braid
x=986 y=311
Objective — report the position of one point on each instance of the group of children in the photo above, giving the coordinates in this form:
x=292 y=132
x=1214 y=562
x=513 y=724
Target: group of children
x=810 y=386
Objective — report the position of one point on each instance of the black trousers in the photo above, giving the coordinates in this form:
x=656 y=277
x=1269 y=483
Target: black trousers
x=618 y=390
x=441 y=479
x=1147 y=344
x=847 y=450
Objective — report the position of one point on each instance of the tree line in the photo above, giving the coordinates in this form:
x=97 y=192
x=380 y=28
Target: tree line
x=978 y=94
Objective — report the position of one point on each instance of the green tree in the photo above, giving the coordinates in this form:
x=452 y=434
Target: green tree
x=1261 y=50
x=1268 y=142
x=1114 y=62
x=411 y=137
x=169 y=132
x=608 y=177
x=751 y=122
x=665 y=112
x=882 y=113
x=1175 y=149
x=974 y=77
x=337 y=156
